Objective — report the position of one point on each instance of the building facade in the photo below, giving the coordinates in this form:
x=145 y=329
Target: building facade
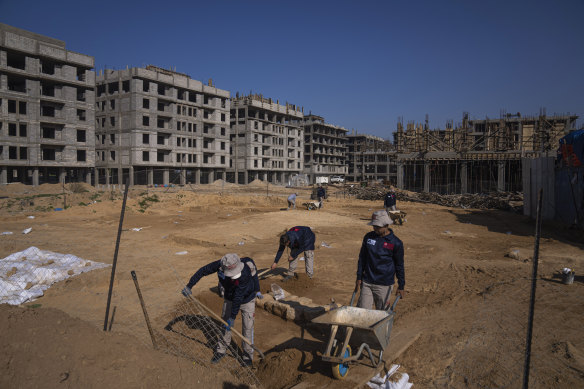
x=156 y=126
x=325 y=149
x=370 y=158
x=267 y=140
x=46 y=110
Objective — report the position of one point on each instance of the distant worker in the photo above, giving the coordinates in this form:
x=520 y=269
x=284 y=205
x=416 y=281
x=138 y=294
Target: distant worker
x=321 y=194
x=241 y=286
x=299 y=239
x=390 y=200
x=381 y=259
x=292 y=200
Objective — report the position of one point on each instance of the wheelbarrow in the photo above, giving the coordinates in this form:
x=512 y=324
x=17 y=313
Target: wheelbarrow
x=369 y=327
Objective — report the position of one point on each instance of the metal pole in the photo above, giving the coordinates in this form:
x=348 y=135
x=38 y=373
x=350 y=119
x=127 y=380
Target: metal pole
x=133 y=273
x=111 y=286
x=532 y=298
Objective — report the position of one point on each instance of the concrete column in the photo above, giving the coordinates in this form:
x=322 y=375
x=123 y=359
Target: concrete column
x=165 y=177
x=400 y=175
x=245 y=176
x=3 y=175
x=35 y=176
x=131 y=175
x=500 y=176
x=197 y=176
x=265 y=176
x=121 y=178
x=62 y=175
x=183 y=176
x=463 y=178
x=88 y=176
x=150 y=173
x=107 y=178
x=426 y=177
x=224 y=175
x=211 y=176
x=97 y=178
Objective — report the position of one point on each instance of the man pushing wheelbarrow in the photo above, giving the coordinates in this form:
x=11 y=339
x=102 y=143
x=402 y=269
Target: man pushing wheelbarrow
x=381 y=260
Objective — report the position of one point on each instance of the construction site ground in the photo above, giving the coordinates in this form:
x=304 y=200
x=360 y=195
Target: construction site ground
x=460 y=279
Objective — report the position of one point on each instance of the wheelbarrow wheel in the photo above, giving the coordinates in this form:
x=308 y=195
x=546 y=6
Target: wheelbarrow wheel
x=340 y=370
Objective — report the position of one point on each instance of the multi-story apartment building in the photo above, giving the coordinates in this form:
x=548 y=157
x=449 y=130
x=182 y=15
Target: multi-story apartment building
x=370 y=157
x=325 y=147
x=267 y=140
x=46 y=110
x=157 y=126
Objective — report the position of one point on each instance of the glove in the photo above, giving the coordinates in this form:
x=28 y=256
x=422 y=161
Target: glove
x=229 y=324
x=259 y=295
x=186 y=291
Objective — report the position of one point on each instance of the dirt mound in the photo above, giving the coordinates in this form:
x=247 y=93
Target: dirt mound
x=280 y=370
x=223 y=184
x=45 y=347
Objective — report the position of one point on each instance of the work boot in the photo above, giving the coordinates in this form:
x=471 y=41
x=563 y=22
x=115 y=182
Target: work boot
x=217 y=357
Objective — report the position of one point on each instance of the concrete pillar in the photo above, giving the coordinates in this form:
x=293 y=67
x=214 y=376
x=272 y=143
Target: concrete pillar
x=165 y=177
x=88 y=176
x=224 y=175
x=121 y=178
x=107 y=178
x=245 y=177
x=183 y=176
x=62 y=175
x=211 y=176
x=400 y=175
x=500 y=176
x=197 y=176
x=463 y=178
x=150 y=176
x=3 y=175
x=426 y=176
x=131 y=176
x=35 y=176
x=265 y=176
x=97 y=178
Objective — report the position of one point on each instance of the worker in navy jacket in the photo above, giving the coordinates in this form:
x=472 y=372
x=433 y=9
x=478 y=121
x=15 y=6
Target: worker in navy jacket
x=321 y=194
x=241 y=286
x=299 y=239
x=390 y=200
x=381 y=260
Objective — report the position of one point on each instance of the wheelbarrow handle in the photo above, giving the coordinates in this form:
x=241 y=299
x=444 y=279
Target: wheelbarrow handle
x=392 y=308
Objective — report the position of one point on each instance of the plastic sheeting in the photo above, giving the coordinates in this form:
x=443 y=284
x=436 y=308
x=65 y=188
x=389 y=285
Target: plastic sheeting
x=25 y=275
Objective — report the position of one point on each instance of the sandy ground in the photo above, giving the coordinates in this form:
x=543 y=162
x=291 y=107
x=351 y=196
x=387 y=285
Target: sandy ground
x=462 y=323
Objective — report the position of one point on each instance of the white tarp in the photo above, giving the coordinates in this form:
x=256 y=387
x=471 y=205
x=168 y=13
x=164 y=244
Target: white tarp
x=24 y=276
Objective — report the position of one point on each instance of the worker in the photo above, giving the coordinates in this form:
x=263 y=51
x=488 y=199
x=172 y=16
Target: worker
x=292 y=200
x=241 y=288
x=321 y=194
x=299 y=239
x=381 y=259
x=389 y=201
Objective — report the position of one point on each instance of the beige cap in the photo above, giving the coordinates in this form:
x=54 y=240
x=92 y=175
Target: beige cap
x=231 y=265
x=380 y=219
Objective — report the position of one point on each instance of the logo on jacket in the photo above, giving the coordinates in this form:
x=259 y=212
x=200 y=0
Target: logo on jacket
x=371 y=241
x=387 y=246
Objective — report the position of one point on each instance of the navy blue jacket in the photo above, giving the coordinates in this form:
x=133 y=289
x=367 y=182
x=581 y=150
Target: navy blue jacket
x=301 y=239
x=321 y=192
x=239 y=291
x=381 y=259
x=389 y=200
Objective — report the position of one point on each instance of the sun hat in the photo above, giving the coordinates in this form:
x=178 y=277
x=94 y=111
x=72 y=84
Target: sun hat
x=231 y=265
x=380 y=219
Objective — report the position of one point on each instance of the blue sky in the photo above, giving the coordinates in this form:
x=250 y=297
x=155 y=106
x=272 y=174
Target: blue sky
x=359 y=64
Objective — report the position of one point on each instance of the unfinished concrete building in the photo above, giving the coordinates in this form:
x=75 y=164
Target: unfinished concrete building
x=267 y=140
x=370 y=158
x=157 y=126
x=325 y=149
x=46 y=110
x=479 y=155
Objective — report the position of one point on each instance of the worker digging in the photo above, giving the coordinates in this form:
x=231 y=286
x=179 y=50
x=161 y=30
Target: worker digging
x=299 y=239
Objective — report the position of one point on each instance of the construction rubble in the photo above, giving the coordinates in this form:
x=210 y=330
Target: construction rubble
x=507 y=201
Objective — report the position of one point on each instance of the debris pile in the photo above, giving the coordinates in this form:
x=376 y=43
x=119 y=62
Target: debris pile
x=507 y=201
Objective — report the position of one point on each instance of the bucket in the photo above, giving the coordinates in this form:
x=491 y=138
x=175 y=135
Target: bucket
x=568 y=278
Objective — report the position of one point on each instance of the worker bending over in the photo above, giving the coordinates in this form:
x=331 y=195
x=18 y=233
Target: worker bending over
x=381 y=260
x=299 y=239
x=241 y=286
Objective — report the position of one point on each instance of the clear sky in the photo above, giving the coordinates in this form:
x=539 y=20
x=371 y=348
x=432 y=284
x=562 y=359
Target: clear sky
x=359 y=64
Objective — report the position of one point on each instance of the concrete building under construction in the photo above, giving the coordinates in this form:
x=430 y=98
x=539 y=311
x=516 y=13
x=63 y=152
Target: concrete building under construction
x=46 y=110
x=324 y=149
x=157 y=126
x=370 y=158
x=267 y=141
x=479 y=155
